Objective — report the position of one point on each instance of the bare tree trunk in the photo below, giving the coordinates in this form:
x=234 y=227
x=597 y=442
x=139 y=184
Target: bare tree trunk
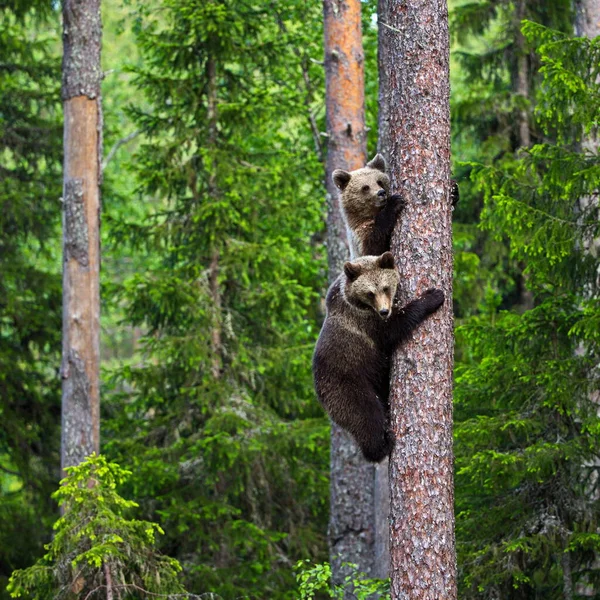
x=587 y=18
x=565 y=562
x=82 y=34
x=522 y=83
x=415 y=43
x=213 y=270
x=351 y=526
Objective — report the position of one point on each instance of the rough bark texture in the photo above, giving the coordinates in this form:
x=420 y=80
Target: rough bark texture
x=381 y=504
x=81 y=221
x=351 y=523
x=587 y=18
x=414 y=41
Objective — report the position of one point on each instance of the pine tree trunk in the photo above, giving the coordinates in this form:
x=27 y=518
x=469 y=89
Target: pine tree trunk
x=414 y=48
x=82 y=33
x=351 y=526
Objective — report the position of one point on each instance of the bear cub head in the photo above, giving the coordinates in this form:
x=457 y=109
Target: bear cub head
x=363 y=192
x=371 y=283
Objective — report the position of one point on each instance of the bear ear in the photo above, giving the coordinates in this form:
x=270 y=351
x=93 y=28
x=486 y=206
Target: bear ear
x=341 y=178
x=386 y=261
x=352 y=270
x=378 y=162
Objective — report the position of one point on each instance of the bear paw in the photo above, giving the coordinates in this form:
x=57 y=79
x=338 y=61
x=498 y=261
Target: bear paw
x=398 y=203
x=454 y=192
x=433 y=299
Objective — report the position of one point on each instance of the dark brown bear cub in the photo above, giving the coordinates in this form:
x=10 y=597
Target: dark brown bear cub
x=369 y=210
x=351 y=363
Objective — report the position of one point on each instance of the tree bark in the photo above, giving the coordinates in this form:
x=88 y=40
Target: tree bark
x=213 y=270
x=414 y=41
x=522 y=82
x=82 y=34
x=587 y=18
x=351 y=523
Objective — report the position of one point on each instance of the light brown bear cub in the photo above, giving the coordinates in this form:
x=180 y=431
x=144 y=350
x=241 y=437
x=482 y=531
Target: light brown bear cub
x=351 y=363
x=369 y=211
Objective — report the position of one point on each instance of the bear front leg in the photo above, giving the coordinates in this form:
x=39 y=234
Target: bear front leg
x=379 y=238
x=405 y=320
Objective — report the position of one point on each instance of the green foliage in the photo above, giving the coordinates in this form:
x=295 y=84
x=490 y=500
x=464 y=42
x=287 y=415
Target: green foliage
x=30 y=310
x=95 y=547
x=495 y=75
x=526 y=386
x=216 y=412
x=316 y=578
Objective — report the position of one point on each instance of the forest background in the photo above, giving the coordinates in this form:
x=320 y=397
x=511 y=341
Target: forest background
x=231 y=457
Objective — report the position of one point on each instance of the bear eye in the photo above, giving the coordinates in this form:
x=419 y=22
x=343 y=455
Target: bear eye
x=365 y=188
x=386 y=289
x=371 y=295
x=380 y=183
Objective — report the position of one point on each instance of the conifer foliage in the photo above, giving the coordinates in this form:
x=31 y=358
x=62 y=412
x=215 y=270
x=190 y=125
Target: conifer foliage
x=527 y=388
x=219 y=423
x=30 y=309
x=97 y=552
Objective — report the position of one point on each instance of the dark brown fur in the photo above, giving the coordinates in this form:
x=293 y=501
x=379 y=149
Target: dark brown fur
x=369 y=210
x=351 y=363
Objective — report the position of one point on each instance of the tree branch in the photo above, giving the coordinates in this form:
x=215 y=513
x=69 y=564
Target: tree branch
x=117 y=145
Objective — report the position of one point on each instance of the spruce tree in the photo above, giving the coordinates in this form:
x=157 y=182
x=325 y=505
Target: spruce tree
x=30 y=308
x=526 y=387
x=217 y=419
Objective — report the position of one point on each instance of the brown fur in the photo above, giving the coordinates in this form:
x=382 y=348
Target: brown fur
x=351 y=363
x=369 y=210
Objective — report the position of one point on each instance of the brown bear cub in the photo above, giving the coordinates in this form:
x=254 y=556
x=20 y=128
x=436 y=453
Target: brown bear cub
x=369 y=211
x=351 y=363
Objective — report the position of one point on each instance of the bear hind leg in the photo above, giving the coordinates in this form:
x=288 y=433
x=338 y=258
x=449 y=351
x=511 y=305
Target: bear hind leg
x=363 y=416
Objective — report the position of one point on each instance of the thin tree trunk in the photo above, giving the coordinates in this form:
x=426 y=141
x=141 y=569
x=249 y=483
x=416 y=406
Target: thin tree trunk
x=213 y=270
x=522 y=83
x=351 y=523
x=415 y=43
x=82 y=34
x=587 y=24
x=587 y=18
x=565 y=561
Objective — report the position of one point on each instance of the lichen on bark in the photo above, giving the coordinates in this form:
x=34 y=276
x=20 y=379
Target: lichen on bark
x=82 y=38
x=77 y=425
x=76 y=230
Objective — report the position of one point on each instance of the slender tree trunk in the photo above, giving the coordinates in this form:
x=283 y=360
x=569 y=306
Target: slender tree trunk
x=587 y=24
x=414 y=41
x=82 y=34
x=351 y=526
x=522 y=83
x=587 y=18
x=565 y=561
x=213 y=270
